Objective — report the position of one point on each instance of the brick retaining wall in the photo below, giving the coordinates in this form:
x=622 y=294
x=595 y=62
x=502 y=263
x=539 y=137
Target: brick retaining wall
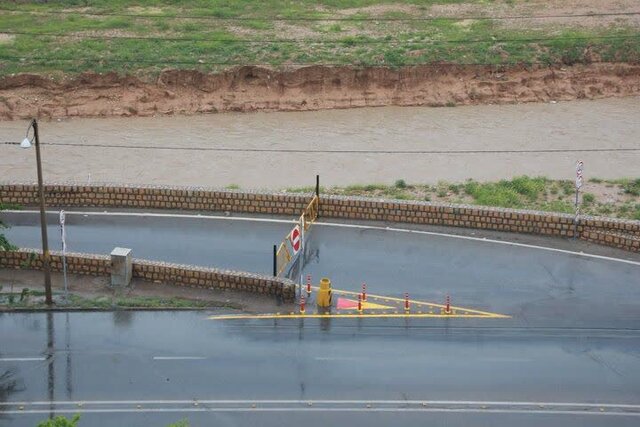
x=173 y=274
x=624 y=234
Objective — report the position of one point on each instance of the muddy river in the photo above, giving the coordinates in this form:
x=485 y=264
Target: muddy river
x=279 y=150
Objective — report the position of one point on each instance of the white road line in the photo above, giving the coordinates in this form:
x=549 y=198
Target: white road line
x=178 y=358
x=329 y=402
x=297 y=409
x=356 y=226
x=22 y=359
x=329 y=358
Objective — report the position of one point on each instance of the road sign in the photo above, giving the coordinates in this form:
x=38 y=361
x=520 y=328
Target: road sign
x=295 y=239
x=579 y=170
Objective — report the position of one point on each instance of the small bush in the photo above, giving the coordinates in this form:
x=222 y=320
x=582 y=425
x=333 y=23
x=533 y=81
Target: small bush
x=588 y=198
x=60 y=421
x=632 y=187
x=400 y=184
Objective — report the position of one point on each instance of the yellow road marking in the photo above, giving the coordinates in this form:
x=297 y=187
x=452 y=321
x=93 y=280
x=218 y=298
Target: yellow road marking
x=350 y=315
x=456 y=312
x=367 y=305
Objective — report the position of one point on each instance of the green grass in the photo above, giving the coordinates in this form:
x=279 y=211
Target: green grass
x=523 y=192
x=16 y=300
x=212 y=45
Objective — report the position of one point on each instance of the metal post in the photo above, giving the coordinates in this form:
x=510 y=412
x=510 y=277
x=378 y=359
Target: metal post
x=63 y=239
x=275 y=260
x=318 y=195
x=43 y=221
x=575 y=220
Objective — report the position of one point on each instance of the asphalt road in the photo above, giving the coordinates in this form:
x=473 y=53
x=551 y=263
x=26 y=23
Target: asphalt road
x=537 y=287
x=150 y=368
x=568 y=356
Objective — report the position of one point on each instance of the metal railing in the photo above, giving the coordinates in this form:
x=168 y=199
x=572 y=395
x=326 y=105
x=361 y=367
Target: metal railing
x=284 y=252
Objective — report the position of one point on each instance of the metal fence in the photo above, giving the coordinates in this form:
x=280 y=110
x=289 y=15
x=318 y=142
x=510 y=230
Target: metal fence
x=284 y=254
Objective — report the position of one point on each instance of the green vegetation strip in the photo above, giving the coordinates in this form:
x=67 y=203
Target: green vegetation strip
x=613 y=198
x=29 y=299
x=145 y=37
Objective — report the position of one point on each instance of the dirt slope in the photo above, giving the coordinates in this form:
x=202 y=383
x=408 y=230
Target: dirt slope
x=308 y=88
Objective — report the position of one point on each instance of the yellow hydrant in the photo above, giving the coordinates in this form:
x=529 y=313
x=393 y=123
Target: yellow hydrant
x=324 y=294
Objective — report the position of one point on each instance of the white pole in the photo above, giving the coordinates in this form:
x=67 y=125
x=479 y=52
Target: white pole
x=64 y=252
x=579 y=170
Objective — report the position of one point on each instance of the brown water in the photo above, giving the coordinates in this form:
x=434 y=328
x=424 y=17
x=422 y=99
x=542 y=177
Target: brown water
x=611 y=123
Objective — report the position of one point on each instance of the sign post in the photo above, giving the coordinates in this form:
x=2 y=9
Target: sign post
x=579 y=171
x=63 y=236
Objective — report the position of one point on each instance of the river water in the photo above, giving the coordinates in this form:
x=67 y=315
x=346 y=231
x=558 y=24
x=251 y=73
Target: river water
x=318 y=140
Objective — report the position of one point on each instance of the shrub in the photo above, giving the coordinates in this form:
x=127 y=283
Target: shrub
x=400 y=183
x=588 y=198
x=60 y=421
x=632 y=187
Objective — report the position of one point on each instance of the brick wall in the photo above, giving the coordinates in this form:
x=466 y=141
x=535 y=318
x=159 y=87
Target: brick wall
x=173 y=274
x=624 y=234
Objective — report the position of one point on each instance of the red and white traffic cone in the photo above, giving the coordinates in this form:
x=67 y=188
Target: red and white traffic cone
x=406 y=302
x=447 y=306
x=364 y=291
x=360 y=304
x=301 y=304
x=308 y=284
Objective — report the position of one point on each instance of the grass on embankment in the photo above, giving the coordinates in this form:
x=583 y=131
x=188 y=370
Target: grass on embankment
x=207 y=35
x=612 y=198
x=30 y=299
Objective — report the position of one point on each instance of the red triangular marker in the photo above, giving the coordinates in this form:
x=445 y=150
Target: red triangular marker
x=346 y=304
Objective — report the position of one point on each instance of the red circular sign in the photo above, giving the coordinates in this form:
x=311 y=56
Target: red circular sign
x=295 y=239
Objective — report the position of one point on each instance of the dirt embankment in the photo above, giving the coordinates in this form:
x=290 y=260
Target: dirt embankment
x=310 y=88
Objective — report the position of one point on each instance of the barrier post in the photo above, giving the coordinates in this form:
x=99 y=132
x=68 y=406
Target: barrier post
x=406 y=302
x=360 y=304
x=447 y=307
x=364 y=291
x=275 y=260
x=308 y=284
x=301 y=304
x=318 y=195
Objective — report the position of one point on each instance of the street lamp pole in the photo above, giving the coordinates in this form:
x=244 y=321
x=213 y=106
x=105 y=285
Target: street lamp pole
x=43 y=219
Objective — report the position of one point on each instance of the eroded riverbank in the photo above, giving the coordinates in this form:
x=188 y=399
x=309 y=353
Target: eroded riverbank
x=251 y=88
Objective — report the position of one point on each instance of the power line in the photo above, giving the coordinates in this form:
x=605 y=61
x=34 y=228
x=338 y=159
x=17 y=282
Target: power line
x=312 y=151
x=328 y=19
x=349 y=41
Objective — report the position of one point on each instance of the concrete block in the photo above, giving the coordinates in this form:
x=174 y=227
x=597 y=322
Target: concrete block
x=121 y=267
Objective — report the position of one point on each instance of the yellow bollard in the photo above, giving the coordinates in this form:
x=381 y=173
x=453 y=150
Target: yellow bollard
x=324 y=293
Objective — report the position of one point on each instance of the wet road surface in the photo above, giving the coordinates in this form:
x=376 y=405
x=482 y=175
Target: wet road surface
x=573 y=339
x=537 y=287
x=119 y=366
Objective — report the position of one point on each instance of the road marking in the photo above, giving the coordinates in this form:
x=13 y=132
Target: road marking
x=350 y=315
x=178 y=358
x=333 y=224
x=339 y=358
x=444 y=406
x=311 y=409
x=456 y=312
x=329 y=401
x=22 y=359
